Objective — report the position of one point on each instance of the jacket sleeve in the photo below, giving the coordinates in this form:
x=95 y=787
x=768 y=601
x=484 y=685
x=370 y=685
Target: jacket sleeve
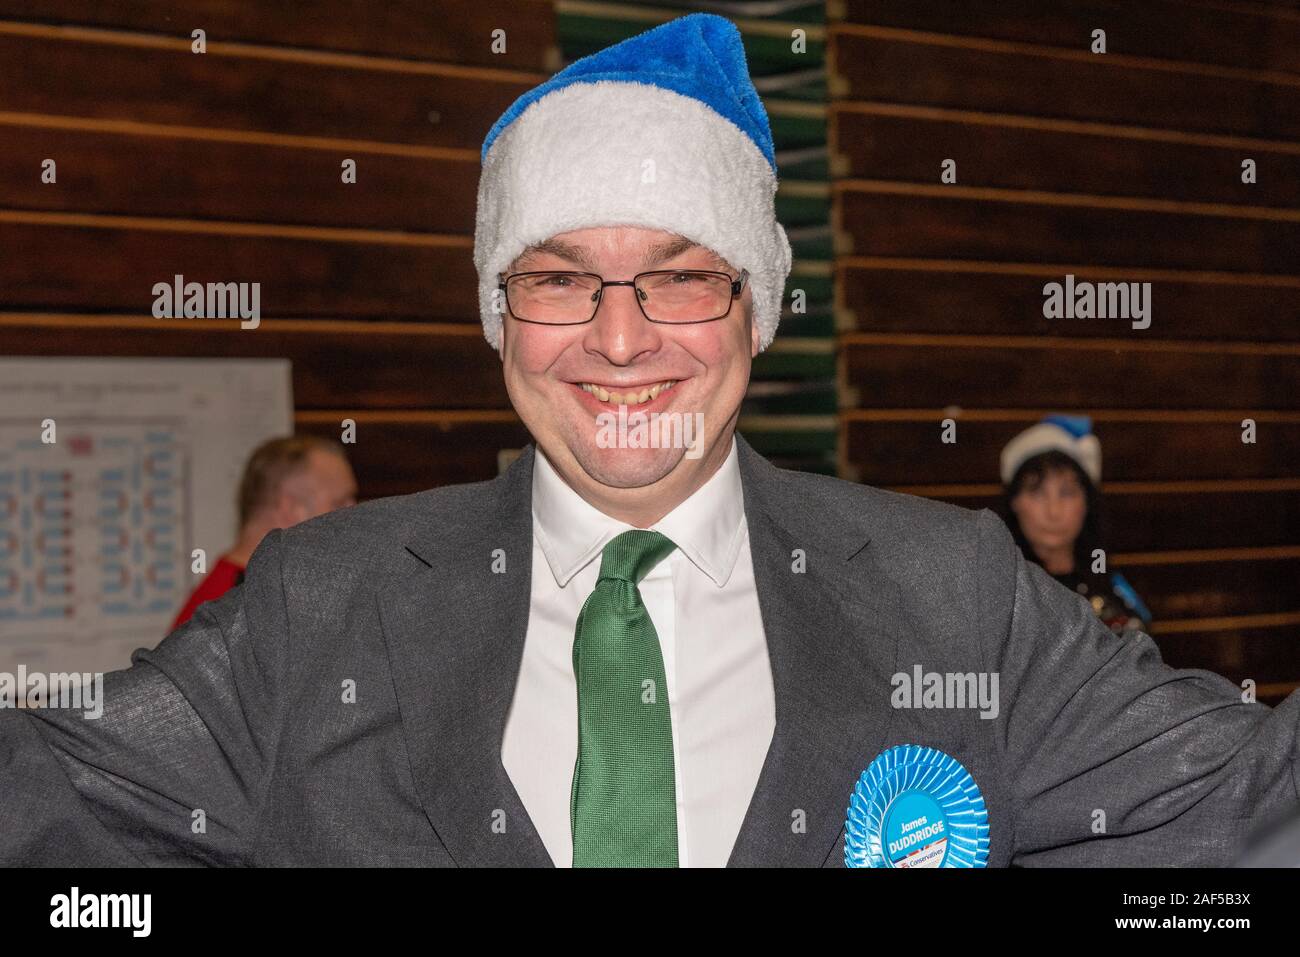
x=1114 y=758
x=174 y=770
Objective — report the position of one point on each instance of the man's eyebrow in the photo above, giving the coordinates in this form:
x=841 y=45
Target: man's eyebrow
x=662 y=252
x=556 y=247
x=669 y=249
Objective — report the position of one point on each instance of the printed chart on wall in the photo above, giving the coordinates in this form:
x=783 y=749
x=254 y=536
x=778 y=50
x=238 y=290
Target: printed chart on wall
x=112 y=471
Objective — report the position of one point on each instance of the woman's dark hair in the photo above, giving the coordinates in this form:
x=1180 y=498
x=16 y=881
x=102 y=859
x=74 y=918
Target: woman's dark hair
x=1031 y=474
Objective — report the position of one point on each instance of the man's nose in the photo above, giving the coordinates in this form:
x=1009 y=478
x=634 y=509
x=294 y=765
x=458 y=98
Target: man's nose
x=620 y=331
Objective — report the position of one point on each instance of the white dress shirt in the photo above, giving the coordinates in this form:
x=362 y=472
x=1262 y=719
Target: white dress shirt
x=704 y=607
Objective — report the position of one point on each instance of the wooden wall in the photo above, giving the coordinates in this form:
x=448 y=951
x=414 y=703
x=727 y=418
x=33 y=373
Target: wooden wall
x=226 y=166
x=1122 y=166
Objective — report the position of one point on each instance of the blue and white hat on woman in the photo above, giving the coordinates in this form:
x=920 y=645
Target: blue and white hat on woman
x=665 y=131
x=1071 y=434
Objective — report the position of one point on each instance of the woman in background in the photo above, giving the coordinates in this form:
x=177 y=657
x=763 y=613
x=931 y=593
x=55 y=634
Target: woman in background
x=1052 y=507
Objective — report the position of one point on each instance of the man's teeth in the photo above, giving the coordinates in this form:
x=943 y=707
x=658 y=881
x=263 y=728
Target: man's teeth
x=628 y=398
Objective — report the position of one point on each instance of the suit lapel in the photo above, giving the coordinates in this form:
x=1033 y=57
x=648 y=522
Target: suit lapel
x=831 y=654
x=455 y=633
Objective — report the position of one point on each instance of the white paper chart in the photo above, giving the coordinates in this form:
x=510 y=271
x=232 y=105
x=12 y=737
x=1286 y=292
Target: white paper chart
x=97 y=528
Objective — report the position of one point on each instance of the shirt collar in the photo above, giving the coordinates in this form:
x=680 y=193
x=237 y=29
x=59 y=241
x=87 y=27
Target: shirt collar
x=707 y=527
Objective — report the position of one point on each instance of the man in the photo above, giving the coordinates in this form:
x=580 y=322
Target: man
x=287 y=480
x=621 y=654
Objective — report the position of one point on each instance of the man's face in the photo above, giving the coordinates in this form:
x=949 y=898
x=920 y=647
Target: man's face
x=555 y=374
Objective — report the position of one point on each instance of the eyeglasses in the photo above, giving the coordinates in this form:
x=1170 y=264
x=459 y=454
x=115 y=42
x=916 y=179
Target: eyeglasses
x=672 y=296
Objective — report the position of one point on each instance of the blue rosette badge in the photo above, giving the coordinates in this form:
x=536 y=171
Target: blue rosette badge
x=916 y=807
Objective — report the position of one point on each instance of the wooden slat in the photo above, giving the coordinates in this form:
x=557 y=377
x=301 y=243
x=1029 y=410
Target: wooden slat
x=405 y=28
x=1265 y=655
x=916 y=295
x=1274 y=693
x=395 y=457
x=1200 y=626
x=303 y=271
x=932 y=69
x=1040 y=375
x=591 y=26
x=1171 y=521
x=100 y=172
x=114 y=269
x=363 y=365
x=877 y=143
x=1277 y=9
x=1154 y=28
x=400 y=452
x=899 y=452
x=421 y=104
x=883 y=219
x=1215 y=589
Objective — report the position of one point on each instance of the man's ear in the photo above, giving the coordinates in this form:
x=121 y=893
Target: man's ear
x=753 y=336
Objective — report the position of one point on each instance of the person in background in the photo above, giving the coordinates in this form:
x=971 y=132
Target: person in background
x=1050 y=473
x=286 y=481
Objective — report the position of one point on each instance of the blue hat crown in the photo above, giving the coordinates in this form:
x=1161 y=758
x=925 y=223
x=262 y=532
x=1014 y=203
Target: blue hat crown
x=700 y=56
x=1077 y=425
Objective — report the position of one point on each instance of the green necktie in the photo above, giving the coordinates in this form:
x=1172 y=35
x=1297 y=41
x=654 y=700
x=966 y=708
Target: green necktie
x=623 y=805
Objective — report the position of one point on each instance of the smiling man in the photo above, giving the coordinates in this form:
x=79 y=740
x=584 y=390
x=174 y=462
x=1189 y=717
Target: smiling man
x=624 y=654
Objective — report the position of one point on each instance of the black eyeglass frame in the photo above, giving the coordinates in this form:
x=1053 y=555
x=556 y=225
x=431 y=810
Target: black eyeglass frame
x=737 y=285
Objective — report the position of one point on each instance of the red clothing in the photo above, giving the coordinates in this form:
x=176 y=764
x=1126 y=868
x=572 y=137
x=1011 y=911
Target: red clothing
x=225 y=576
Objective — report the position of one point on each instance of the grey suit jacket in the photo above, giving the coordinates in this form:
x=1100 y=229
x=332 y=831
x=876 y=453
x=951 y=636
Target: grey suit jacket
x=346 y=704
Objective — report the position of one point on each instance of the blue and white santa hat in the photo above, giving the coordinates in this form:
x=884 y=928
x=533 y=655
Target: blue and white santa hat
x=1071 y=434
x=663 y=130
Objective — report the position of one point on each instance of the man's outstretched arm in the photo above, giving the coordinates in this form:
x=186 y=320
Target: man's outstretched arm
x=174 y=770
x=1116 y=759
